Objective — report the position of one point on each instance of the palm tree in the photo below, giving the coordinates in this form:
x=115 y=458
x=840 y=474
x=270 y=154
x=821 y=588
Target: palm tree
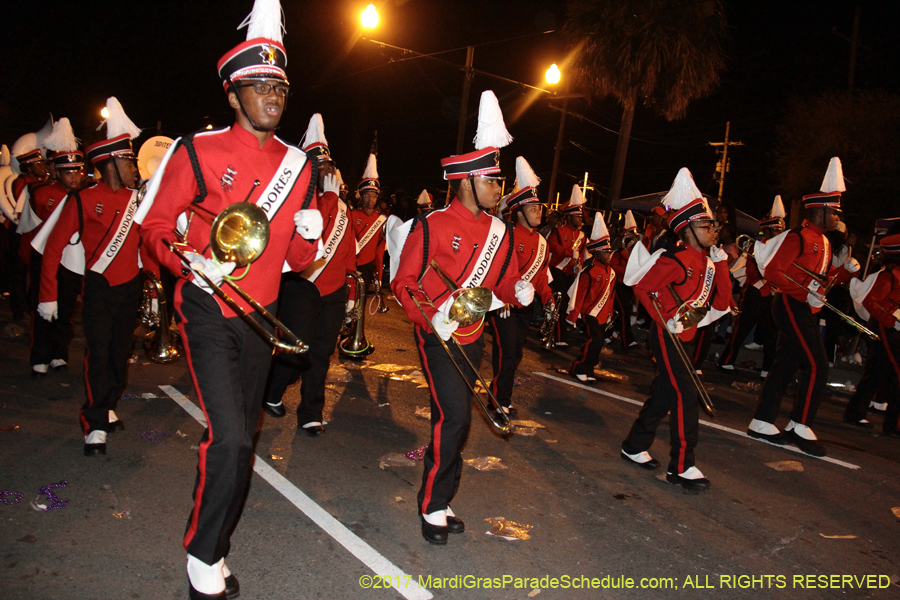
x=663 y=53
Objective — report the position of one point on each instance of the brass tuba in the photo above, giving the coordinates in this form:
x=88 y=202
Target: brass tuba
x=551 y=316
x=163 y=344
x=469 y=306
x=355 y=345
x=239 y=234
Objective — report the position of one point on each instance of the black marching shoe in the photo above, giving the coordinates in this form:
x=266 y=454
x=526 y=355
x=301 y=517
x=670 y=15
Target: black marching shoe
x=861 y=423
x=777 y=439
x=455 y=524
x=695 y=485
x=811 y=447
x=232 y=587
x=94 y=449
x=115 y=426
x=434 y=534
x=274 y=410
x=314 y=430
x=195 y=595
x=649 y=465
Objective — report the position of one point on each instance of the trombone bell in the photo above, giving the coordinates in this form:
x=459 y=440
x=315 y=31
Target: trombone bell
x=239 y=234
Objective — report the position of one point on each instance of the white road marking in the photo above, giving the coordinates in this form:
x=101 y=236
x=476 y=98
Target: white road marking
x=370 y=557
x=702 y=422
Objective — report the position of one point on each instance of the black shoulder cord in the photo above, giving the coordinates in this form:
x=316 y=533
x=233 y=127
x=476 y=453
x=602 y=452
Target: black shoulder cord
x=509 y=253
x=188 y=142
x=683 y=268
x=313 y=179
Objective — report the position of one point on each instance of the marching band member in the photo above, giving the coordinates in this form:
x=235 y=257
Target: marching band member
x=475 y=249
x=511 y=324
x=653 y=227
x=592 y=299
x=424 y=203
x=794 y=308
x=368 y=228
x=102 y=216
x=312 y=300
x=566 y=246
x=879 y=295
x=227 y=359
x=50 y=341
x=34 y=174
x=755 y=302
x=697 y=274
x=624 y=295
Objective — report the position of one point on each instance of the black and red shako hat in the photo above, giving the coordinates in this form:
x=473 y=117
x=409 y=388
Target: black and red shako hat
x=478 y=163
x=823 y=199
x=890 y=244
x=522 y=197
x=73 y=159
x=117 y=147
x=259 y=58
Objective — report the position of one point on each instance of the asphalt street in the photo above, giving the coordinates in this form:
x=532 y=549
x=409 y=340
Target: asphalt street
x=335 y=517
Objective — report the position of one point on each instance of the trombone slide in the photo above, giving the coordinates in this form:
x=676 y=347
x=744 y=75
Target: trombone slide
x=497 y=418
x=847 y=318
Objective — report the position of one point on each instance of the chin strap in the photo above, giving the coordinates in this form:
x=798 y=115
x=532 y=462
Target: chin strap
x=237 y=94
x=697 y=239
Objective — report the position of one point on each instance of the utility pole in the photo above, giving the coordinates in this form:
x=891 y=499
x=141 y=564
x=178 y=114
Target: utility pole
x=559 y=141
x=464 y=106
x=723 y=164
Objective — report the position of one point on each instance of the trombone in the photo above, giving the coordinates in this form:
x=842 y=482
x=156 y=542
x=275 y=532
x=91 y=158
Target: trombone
x=847 y=318
x=689 y=316
x=469 y=306
x=239 y=234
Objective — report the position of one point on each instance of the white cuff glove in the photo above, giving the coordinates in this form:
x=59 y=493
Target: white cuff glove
x=897 y=325
x=674 y=326
x=504 y=312
x=814 y=301
x=215 y=271
x=852 y=265
x=443 y=327
x=48 y=310
x=330 y=184
x=309 y=223
x=524 y=292
x=717 y=254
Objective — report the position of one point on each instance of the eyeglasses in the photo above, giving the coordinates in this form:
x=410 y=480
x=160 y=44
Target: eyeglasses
x=262 y=88
x=708 y=227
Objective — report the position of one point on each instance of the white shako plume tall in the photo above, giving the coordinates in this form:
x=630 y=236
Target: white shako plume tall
x=778 y=208
x=630 y=223
x=685 y=202
x=62 y=138
x=491 y=132
x=834 y=177
x=525 y=177
x=599 y=234
x=370 y=176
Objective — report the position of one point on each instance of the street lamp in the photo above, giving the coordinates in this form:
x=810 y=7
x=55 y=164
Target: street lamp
x=104 y=112
x=369 y=17
x=553 y=74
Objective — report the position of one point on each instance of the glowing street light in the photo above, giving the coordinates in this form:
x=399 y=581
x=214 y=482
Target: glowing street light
x=104 y=113
x=553 y=74
x=369 y=17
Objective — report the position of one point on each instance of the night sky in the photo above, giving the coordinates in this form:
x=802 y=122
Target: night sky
x=159 y=59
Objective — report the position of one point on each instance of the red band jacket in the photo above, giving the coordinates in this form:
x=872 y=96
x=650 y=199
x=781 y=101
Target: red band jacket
x=458 y=241
x=43 y=200
x=336 y=228
x=596 y=293
x=883 y=300
x=230 y=161
x=566 y=244
x=687 y=270
x=528 y=244
x=103 y=236
x=374 y=248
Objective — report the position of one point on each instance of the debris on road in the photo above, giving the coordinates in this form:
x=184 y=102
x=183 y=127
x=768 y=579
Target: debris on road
x=786 y=465
x=417 y=454
x=486 y=463
x=750 y=386
x=838 y=537
x=508 y=530
x=424 y=412
x=395 y=459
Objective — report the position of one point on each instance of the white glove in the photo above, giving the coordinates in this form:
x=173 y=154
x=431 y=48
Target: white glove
x=442 y=325
x=813 y=297
x=674 y=326
x=897 y=325
x=215 y=271
x=330 y=184
x=309 y=223
x=717 y=254
x=504 y=312
x=48 y=310
x=524 y=292
x=852 y=265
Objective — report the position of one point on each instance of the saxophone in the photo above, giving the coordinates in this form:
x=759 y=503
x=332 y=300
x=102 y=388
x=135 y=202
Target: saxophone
x=551 y=316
